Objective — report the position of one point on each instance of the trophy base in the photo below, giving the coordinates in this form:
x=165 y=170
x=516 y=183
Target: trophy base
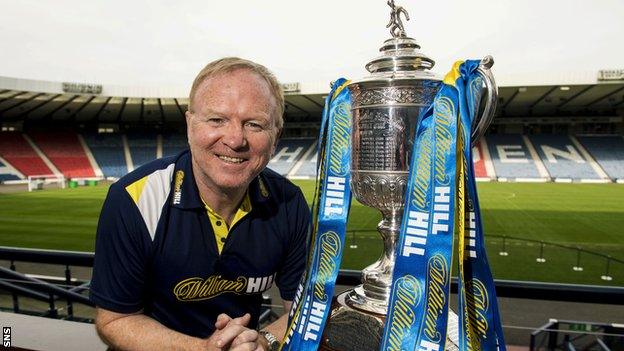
x=350 y=328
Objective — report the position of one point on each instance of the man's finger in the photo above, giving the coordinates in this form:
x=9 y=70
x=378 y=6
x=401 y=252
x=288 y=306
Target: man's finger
x=248 y=335
x=222 y=320
x=228 y=334
x=244 y=320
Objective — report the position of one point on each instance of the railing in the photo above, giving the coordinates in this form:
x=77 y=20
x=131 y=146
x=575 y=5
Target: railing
x=72 y=290
x=577 y=335
x=576 y=265
x=576 y=258
x=49 y=291
x=529 y=290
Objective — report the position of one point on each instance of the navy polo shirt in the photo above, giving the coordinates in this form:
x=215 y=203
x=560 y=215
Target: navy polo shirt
x=156 y=250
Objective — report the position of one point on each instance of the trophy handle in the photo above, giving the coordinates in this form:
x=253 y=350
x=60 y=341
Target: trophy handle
x=483 y=121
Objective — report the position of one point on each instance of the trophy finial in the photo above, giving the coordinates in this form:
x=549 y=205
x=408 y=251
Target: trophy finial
x=395 y=24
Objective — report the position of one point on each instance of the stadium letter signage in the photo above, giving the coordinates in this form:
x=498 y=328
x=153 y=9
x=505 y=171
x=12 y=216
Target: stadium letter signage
x=611 y=74
x=79 y=88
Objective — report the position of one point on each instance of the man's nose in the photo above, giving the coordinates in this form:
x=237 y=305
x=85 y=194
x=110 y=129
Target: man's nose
x=235 y=136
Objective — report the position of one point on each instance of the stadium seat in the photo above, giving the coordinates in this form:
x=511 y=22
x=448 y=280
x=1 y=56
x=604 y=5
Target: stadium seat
x=173 y=144
x=287 y=153
x=142 y=148
x=562 y=158
x=511 y=157
x=64 y=150
x=5 y=173
x=18 y=152
x=608 y=151
x=108 y=152
x=479 y=161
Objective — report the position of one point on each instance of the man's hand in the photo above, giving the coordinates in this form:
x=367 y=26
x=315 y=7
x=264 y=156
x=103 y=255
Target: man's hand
x=233 y=334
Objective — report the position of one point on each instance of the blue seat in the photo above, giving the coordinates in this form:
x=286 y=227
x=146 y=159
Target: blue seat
x=173 y=144
x=107 y=149
x=562 y=158
x=608 y=151
x=287 y=153
x=511 y=157
x=142 y=148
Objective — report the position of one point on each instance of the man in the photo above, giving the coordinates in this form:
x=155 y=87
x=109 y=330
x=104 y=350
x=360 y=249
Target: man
x=187 y=244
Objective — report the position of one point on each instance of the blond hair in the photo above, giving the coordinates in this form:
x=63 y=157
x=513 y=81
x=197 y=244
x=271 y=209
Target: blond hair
x=229 y=64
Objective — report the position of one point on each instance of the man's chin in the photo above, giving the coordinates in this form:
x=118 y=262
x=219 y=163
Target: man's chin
x=229 y=185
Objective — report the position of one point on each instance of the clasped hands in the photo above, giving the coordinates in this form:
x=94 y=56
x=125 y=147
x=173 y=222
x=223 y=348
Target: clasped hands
x=232 y=334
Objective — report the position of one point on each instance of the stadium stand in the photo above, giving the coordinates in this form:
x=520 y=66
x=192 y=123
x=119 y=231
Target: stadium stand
x=511 y=157
x=479 y=161
x=173 y=144
x=562 y=158
x=18 y=152
x=64 y=150
x=608 y=151
x=287 y=153
x=498 y=156
x=306 y=167
x=142 y=148
x=108 y=152
x=6 y=173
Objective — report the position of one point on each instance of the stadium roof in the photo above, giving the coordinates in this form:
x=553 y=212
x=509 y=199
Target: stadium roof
x=67 y=104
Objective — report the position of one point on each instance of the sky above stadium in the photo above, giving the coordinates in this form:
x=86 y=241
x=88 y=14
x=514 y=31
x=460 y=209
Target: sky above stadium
x=165 y=43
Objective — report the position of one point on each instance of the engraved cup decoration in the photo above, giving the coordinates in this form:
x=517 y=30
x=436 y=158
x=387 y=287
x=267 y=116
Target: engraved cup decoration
x=385 y=108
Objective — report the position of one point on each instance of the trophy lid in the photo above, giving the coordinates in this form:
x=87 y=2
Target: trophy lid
x=400 y=54
x=400 y=57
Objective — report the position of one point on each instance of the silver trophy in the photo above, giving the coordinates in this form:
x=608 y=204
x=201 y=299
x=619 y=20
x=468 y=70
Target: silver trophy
x=385 y=107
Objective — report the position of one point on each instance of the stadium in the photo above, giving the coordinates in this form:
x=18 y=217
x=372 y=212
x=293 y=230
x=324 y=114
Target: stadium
x=550 y=172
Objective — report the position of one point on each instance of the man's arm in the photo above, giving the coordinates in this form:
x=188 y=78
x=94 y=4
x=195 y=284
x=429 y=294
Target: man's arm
x=140 y=332
x=277 y=328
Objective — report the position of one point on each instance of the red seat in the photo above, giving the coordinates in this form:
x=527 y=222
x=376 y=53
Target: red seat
x=65 y=152
x=18 y=152
x=479 y=163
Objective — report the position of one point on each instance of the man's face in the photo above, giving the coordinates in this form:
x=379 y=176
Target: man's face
x=231 y=131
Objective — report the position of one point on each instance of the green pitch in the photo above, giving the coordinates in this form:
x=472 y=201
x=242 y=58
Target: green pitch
x=589 y=216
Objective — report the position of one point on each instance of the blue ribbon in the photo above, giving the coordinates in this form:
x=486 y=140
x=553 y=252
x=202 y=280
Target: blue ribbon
x=478 y=305
x=436 y=205
x=331 y=206
x=418 y=308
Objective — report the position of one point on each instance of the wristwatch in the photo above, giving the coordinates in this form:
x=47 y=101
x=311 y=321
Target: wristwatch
x=273 y=343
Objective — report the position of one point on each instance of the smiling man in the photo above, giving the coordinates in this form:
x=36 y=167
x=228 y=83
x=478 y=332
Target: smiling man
x=186 y=245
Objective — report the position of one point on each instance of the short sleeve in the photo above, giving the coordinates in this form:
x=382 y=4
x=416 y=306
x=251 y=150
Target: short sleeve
x=122 y=248
x=288 y=276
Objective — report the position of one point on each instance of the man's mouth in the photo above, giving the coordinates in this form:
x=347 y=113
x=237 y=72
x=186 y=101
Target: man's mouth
x=231 y=159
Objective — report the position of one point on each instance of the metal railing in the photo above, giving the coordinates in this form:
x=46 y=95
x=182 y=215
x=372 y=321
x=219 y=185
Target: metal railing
x=49 y=291
x=580 y=255
x=577 y=335
x=576 y=265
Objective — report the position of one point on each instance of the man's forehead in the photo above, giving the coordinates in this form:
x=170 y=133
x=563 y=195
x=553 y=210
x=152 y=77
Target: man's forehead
x=242 y=83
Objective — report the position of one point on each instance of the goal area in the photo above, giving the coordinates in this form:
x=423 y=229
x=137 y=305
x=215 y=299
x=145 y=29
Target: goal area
x=43 y=181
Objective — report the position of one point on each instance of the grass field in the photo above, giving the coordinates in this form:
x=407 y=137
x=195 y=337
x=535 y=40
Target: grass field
x=589 y=216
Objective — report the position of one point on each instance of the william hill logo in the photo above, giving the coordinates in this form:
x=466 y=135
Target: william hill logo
x=177 y=187
x=197 y=289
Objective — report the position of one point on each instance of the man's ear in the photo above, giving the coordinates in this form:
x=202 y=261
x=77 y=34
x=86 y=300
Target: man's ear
x=278 y=134
x=188 y=116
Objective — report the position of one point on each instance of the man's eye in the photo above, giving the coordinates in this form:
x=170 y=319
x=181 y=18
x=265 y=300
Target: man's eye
x=254 y=126
x=215 y=120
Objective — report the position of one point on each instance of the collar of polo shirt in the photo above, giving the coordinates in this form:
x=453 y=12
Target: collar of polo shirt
x=220 y=227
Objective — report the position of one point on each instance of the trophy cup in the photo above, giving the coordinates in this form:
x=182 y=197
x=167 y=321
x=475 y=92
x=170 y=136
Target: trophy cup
x=385 y=109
